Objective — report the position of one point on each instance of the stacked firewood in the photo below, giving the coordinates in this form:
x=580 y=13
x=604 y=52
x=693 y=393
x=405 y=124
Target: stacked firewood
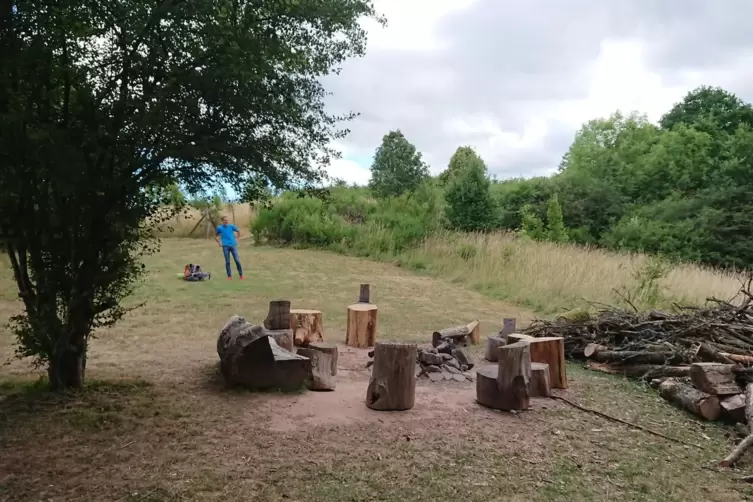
x=699 y=358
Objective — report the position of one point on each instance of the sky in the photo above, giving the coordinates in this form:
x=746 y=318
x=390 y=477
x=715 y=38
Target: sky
x=515 y=79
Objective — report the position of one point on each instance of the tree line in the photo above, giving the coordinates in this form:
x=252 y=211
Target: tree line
x=681 y=188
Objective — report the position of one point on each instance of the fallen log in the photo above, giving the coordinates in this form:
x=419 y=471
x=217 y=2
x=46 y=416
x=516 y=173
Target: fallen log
x=690 y=399
x=714 y=378
x=641 y=371
x=737 y=358
x=493 y=343
x=634 y=357
x=320 y=372
x=467 y=332
x=393 y=377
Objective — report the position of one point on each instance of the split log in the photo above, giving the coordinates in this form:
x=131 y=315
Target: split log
x=592 y=349
x=635 y=357
x=514 y=376
x=393 y=377
x=279 y=315
x=364 y=295
x=329 y=348
x=714 y=378
x=733 y=408
x=493 y=343
x=252 y=359
x=551 y=350
x=540 y=385
x=692 y=400
x=320 y=375
x=307 y=326
x=283 y=337
x=361 y=329
x=469 y=332
x=518 y=337
x=642 y=371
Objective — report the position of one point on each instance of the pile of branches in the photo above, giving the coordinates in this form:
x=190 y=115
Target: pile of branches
x=657 y=344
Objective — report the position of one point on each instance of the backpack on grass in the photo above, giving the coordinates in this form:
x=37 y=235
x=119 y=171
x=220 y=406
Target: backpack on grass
x=194 y=273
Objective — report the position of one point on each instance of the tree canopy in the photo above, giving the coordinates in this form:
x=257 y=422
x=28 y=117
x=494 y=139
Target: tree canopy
x=397 y=167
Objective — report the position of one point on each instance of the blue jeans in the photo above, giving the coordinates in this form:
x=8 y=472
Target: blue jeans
x=227 y=251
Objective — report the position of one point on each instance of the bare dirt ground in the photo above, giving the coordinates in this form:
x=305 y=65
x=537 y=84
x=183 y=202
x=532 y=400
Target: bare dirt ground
x=157 y=424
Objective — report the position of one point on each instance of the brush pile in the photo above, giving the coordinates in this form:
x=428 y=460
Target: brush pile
x=699 y=358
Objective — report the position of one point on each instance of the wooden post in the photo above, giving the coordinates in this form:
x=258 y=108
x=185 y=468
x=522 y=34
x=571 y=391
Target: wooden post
x=540 y=384
x=393 y=377
x=320 y=376
x=551 y=350
x=364 y=296
x=361 y=330
x=514 y=375
x=493 y=343
x=307 y=326
x=279 y=315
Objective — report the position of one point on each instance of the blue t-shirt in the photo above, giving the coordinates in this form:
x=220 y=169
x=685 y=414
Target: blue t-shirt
x=227 y=237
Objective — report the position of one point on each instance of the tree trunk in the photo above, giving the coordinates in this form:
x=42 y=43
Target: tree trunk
x=714 y=378
x=307 y=326
x=329 y=348
x=67 y=369
x=493 y=343
x=393 y=377
x=362 y=325
x=686 y=397
x=540 y=385
x=320 y=376
x=551 y=351
x=279 y=315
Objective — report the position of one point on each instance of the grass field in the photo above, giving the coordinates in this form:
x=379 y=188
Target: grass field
x=156 y=424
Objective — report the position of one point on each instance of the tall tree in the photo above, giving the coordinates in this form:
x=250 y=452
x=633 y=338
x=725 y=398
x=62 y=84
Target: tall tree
x=707 y=106
x=103 y=103
x=469 y=205
x=397 y=166
x=463 y=156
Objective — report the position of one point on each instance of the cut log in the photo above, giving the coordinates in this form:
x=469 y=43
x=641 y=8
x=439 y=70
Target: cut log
x=642 y=371
x=508 y=327
x=283 y=337
x=518 y=337
x=364 y=295
x=279 y=315
x=493 y=343
x=635 y=357
x=329 y=348
x=307 y=326
x=252 y=359
x=746 y=443
x=714 y=378
x=514 y=376
x=487 y=392
x=689 y=399
x=393 y=377
x=361 y=330
x=320 y=375
x=738 y=358
x=733 y=408
x=592 y=349
x=467 y=332
x=540 y=386
x=551 y=350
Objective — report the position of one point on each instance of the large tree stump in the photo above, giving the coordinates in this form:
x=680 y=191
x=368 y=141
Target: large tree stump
x=551 y=350
x=493 y=343
x=307 y=326
x=393 y=377
x=540 y=384
x=361 y=330
x=714 y=378
x=320 y=376
x=251 y=358
x=467 y=332
x=329 y=348
x=278 y=316
x=690 y=399
x=514 y=375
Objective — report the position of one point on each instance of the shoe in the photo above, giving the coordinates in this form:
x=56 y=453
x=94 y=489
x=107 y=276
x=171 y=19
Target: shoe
x=229 y=278
x=243 y=277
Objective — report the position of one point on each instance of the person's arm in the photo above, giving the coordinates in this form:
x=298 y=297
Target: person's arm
x=238 y=232
x=217 y=237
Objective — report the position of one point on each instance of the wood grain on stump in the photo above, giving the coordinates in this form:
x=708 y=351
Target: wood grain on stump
x=393 y=377
x=329 y=348
x=514 y=375
x=540 y=384
x=307 y=326
x=551 y=350
x=493 y=343
x=320 y=375
x=278 y=316
x=362 y=325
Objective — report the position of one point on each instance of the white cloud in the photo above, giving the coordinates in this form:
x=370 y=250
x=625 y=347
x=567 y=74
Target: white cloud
x=349 y=171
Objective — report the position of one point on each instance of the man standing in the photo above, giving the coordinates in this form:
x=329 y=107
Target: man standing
x=225 y=237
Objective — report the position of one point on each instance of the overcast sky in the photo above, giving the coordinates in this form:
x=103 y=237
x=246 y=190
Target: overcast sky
x=515 y=79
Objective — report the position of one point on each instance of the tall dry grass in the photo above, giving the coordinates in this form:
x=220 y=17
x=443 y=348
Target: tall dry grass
x=182 y=225
x=550 y=278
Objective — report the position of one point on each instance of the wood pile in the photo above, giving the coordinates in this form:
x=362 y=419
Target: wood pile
x=700 y=359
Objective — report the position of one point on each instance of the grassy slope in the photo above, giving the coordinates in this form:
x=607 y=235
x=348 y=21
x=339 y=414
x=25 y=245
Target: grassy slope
x=167 y=431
